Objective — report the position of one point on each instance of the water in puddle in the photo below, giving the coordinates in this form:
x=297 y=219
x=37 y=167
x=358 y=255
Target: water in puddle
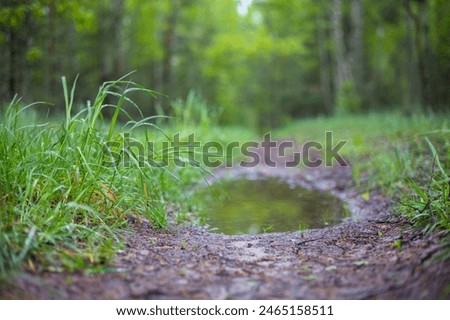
x=258 y=206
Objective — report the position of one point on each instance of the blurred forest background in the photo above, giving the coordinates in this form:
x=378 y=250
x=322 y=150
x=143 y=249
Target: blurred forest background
x=261 y=62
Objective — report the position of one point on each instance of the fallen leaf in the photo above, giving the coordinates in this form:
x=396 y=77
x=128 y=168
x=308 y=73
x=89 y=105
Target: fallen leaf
x=366 y=195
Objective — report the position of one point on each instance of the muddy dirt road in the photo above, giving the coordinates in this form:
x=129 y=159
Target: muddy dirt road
x=373 y=255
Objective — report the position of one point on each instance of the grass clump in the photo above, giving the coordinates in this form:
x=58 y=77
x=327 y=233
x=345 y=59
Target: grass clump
x=429 y=205
x=61 y=201
x=407 y=157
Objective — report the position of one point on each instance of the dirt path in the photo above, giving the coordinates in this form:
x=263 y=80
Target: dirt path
x=357 y=259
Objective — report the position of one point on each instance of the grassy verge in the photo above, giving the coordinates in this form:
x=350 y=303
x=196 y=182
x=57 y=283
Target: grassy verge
x=64 y=197
x=406 y=157
x=61 y=206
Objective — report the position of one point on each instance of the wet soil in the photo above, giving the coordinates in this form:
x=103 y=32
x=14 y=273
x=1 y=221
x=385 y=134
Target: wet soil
x=373 y=255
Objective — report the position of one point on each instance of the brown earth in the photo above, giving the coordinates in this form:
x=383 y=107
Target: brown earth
x=373 y=255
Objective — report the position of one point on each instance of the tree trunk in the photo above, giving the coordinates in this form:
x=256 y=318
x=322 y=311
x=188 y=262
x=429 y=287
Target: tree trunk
x=324 y=66
x=169 y=47
x=357 y=45
x=51 y=51
x=413 y=90
x=4 y=70
x=18 y=44
x=343 y=72
x=420 y=47
x=117 y=26
x=12 y=85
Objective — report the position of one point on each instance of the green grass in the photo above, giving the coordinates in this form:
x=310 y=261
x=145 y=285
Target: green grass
x=61 y=206
x=407 y=157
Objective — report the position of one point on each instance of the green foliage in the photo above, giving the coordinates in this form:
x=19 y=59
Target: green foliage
x=428 y=206
x=194 y=112
x=395 y=154
x=62 y=203
x=348 y=100
x=146 y=17
x=440 y=24
x=263 y=68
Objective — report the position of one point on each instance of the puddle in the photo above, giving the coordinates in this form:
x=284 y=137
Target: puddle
x=270 y=205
